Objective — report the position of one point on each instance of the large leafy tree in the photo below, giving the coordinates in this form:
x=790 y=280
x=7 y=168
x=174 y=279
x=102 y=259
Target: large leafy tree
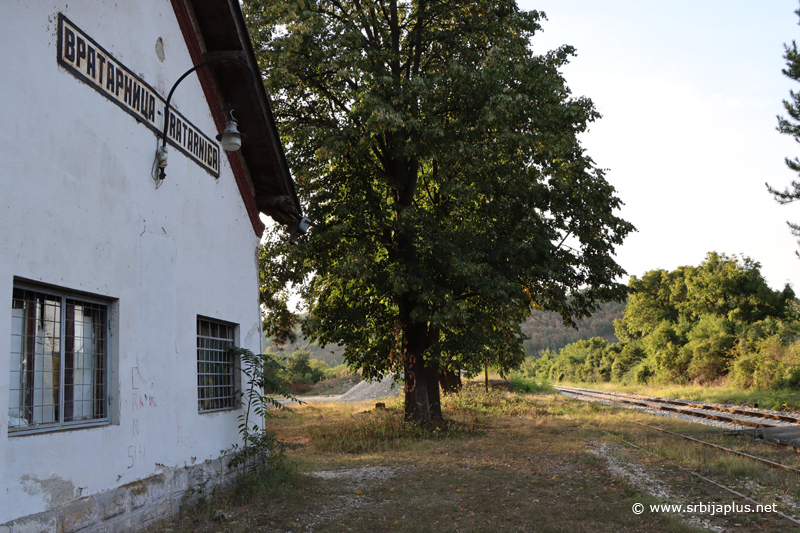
x=439 y=160
x=790 y=126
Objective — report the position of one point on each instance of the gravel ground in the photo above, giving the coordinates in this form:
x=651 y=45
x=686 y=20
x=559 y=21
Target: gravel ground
x=362 y=392
x=376 y=390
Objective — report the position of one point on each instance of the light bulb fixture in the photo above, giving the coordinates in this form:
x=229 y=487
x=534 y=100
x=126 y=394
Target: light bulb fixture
x=298 y=228
x=231 y=139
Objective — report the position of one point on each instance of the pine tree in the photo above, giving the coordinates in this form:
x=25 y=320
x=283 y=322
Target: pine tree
x=790 y=126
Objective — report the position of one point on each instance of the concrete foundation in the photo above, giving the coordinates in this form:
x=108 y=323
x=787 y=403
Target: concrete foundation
x=131 y=507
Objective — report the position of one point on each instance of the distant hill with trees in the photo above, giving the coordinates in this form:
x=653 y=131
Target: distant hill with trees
x=331 y=354
x=548 y=332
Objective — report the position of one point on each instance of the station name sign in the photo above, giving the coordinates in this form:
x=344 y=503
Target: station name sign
x=91 y=63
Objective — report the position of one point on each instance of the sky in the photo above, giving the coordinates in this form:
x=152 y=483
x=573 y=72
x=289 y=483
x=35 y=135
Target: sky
x=689 y=92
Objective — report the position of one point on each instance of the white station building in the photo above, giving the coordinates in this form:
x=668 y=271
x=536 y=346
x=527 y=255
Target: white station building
x=120 y=293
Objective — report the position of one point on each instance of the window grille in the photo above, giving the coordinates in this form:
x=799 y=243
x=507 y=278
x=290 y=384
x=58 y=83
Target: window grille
x=59 y=360
x=216 y=377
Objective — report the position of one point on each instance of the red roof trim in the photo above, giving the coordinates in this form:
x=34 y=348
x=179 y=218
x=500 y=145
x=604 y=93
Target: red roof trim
x=185 y=23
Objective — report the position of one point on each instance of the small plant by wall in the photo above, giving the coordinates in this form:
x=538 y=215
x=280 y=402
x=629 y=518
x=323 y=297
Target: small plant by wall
x=258 y=446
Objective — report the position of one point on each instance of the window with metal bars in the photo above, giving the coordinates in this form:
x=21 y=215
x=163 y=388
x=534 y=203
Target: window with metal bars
x=59 y=361
x=216 y=375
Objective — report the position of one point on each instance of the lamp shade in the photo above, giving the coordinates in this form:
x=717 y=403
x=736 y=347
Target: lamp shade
x=230 y=138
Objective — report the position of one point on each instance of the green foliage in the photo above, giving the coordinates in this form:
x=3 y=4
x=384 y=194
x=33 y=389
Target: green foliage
x=630 y=354
x=772 y=364
x=259 y=447
x=298 y=368
x=642 y=373
x=273 y=371
x=709 y=348
x=695 y=324
x=438 y=157
x=586 y=360
x=663 y=344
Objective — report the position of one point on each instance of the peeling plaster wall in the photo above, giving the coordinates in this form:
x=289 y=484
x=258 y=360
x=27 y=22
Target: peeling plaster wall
x=79 y=211
x=132 y=506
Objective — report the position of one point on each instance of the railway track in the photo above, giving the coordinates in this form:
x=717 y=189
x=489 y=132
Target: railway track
x=700 y=410
x=708 y=411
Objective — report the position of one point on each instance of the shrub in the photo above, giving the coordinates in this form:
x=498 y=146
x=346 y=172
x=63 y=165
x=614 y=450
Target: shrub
x=709 y=349
x=642 y=373
x=630 y=354
x=772 y=363
x=743 y=370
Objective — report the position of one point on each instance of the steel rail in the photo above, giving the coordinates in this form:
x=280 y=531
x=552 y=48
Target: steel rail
x=692 y=472
x=688 y=403
x=773 y=464
x=651 y=404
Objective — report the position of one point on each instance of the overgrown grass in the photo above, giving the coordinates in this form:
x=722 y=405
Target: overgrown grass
x=522 y=384
x=206 y=505
x=465 y=414
x=385 y=429
x=502 y=461
x=474 y=400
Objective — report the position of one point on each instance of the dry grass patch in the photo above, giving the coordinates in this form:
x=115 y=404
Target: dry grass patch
x=502 y=462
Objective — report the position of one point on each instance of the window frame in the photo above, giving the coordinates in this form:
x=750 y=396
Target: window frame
x=63 y=295
x=232 y=400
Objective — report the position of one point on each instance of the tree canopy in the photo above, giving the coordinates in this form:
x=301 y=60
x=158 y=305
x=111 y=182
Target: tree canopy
x=438 y=158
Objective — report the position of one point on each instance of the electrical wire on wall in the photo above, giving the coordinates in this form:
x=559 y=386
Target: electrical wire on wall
x=156 y=167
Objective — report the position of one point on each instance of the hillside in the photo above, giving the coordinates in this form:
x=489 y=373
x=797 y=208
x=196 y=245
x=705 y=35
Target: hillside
x=547 y=331
x=331 y=354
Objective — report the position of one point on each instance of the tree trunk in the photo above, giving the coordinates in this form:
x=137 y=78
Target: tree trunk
x=422 y=401
x=449 y=380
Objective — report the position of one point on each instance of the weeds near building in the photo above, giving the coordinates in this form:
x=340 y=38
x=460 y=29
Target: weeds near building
x=260 y=450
